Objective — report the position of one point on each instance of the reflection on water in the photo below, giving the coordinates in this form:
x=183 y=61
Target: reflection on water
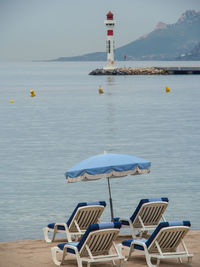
x=68 y=121
x=110 y=80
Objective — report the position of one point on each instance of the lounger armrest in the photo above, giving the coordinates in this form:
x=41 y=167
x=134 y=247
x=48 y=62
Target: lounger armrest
x=65 y=252
x=62 y=224
x=120 y=219
x=72 y=247
x=138 y=242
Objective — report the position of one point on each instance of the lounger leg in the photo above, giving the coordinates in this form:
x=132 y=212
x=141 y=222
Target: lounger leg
x=76 y=237
x=110 y=252
x=144 y=234
x=158 y=262
x=54 y=234
x=54 y=252
x=113 y=263
x=121 y=263
x=148 y=259
x=64 y=255
x=79 y=261
x=130 y=252
x=180 y=260
x=149 y=263
x=69 y=237
x=132 y=230
x=189 y=259
x=118 y=249
x=46 y=237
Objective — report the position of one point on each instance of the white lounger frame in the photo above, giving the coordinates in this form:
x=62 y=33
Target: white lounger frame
x=164 y=246
x=83 y=217
x=147 y=219
x=96 y=248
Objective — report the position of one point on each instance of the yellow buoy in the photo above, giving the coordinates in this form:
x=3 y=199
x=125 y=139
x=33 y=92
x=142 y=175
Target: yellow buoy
x=32 y=93
x=167 y=89
x=101 y=91
x=11 y=101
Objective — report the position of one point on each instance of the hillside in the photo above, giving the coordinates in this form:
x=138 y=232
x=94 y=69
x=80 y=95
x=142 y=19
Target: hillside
x=165 y=42
x=194 y=54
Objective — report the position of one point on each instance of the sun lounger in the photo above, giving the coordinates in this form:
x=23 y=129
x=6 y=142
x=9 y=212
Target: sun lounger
x=146 y=216
x=96 y=245
x=84 y=214
x=163 y=243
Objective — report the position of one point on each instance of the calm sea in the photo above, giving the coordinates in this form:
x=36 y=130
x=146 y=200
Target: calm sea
x=68 y=121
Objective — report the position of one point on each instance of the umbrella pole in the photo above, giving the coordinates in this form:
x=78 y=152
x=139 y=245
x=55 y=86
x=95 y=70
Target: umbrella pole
x=111 y=205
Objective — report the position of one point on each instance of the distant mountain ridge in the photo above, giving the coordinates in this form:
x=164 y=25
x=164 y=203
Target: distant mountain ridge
x=165 y=42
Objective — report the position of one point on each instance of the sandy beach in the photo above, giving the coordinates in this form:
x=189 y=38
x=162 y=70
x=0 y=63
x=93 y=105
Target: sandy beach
x=36 y=253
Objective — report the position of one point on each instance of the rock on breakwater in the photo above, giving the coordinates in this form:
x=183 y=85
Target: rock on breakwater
x=130 y=71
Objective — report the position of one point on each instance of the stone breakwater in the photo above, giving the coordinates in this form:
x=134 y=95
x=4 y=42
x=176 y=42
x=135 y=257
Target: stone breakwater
x=130 y=71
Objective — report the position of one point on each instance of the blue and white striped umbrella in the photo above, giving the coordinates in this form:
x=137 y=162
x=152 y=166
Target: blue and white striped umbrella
x=107 y=166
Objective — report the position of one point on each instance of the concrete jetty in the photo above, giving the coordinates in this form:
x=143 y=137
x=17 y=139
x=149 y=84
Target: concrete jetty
x=147 y=71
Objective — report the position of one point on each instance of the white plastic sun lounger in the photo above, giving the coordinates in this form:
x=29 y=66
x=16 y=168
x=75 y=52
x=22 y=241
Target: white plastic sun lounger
x=96 y=245
x=84 y=214
x=146 y=216
x=164 y=243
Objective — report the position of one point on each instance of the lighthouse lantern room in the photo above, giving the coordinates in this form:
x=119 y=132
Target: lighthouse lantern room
x=110 y=23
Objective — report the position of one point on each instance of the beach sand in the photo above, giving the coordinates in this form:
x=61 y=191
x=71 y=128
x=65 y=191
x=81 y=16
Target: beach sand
x=36 y=253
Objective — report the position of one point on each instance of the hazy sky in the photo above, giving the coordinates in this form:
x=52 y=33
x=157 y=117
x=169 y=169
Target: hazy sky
x=48 y=29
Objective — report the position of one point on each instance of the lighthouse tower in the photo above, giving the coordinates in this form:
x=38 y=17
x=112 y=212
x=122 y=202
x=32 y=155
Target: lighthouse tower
x=110 y=23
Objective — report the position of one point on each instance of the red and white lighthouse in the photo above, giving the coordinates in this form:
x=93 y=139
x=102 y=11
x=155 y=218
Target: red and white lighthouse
x=110 y=23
